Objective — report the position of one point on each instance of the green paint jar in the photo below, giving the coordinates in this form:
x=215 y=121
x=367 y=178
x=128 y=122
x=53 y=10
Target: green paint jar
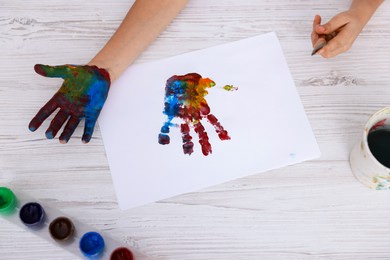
x=7 y=201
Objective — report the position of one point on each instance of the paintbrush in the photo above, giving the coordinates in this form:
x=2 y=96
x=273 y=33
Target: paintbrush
x=321 y=42
x=323 y=39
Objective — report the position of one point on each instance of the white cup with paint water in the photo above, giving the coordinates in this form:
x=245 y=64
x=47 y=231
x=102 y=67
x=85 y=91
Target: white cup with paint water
x=370 y=157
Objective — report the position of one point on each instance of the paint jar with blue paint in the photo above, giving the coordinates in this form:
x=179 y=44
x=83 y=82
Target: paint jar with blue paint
x=92 y=245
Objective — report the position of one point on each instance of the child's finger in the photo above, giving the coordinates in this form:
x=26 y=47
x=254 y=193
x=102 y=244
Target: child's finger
x=56 y=124
x=52 y=71
x=317 y=20
x=314 y=35
x=333 y=24
x=314 y=38
x=69 y=129
x=43 y=113
x=88 y=130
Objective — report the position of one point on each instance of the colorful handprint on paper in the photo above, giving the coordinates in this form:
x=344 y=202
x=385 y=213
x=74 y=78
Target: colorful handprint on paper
x=185 y=99
x=82 y=95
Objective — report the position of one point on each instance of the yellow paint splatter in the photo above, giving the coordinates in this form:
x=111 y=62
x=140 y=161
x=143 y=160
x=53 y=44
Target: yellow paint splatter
x=230 y=88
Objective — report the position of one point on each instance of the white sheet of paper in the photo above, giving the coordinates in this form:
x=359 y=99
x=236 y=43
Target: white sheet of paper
x=264 y=118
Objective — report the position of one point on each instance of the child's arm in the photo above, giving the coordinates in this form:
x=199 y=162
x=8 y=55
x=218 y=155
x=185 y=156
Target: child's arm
x=85 y=88
x=143 y=23
x=343 y=28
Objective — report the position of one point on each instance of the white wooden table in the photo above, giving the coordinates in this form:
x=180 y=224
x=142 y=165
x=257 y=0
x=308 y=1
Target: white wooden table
x=311 y=210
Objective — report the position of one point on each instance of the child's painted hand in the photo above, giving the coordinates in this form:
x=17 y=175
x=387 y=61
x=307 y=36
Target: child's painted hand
x=340 y=33
x=82 y=95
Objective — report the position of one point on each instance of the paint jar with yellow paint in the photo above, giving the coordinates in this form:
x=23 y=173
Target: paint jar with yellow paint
x=370 y=157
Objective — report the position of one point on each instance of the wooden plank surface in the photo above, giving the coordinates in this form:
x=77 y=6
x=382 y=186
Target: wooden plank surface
x=313 y=210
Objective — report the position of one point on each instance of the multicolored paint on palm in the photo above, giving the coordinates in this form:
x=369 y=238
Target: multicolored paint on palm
x=185 y=99
x=82 y=95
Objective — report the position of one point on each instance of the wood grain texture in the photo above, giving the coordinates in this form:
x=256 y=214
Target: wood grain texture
x=313 y=210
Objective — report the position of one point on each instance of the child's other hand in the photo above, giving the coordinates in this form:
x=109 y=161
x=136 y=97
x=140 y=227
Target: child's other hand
x=82 y=95
x=340 y=32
